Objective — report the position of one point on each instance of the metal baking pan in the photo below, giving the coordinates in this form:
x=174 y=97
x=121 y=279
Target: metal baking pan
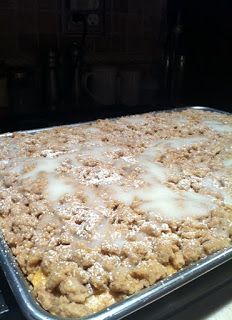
x=33 y=311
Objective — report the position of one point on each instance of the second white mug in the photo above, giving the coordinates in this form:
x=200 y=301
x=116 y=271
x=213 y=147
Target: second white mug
x=102 y=87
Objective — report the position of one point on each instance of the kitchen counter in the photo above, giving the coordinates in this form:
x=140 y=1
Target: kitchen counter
x=214 y=306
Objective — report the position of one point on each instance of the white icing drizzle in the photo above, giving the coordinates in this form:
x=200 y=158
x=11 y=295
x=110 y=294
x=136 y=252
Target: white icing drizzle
x=92 y=130
x=153 y=172
x=160 y=147
x=158 y=199
x=165 y=202
x=228 y=163
x=218 y=126
x=134 y=120
x=149 y=187
x=148 y=190
x=227 y=199
x=213 y=184
x=182 y=120
x=43 y=165
x=57 y=188
x=180 y=143
x=49 y=153
x=129 y=159
x=97 y=151
x=100 y=177
x=101 y=231
x=104 y=232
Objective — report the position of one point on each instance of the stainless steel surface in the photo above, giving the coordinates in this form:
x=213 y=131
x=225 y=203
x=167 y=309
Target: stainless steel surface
x=32 y=310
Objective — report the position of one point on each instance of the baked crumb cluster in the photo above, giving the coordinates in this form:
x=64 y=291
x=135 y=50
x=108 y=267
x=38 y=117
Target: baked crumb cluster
x=96 y=212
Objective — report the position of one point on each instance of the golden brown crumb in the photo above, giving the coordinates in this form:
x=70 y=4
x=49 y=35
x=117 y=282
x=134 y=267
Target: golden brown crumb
x=97 y=212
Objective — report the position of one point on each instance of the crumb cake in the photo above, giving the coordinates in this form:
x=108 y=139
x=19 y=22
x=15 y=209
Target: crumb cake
x=96 y=212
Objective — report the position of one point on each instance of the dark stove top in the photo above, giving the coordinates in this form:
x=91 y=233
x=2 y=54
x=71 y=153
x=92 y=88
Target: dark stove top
x=9 y=309
x=194 y=301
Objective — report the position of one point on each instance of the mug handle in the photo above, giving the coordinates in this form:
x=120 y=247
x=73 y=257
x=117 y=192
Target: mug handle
x=85 y=85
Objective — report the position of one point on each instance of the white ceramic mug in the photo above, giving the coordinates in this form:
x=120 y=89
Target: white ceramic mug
x=129 y=87
x=103 y=84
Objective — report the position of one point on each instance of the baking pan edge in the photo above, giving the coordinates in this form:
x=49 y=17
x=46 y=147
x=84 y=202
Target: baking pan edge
x=175 y=109
x=33 y=311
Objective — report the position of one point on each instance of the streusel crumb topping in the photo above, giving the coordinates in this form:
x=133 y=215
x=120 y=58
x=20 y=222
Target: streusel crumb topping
x=96 y=212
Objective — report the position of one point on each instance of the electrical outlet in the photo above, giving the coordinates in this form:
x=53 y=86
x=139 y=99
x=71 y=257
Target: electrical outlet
x=93 y=19
x=92 y=10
